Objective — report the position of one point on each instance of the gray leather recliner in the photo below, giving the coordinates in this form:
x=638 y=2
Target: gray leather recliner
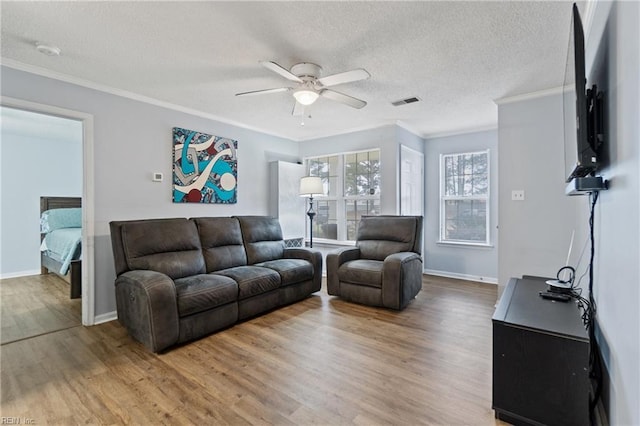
x=384 y=268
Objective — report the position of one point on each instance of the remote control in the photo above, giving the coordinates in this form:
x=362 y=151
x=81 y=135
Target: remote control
x=554 y=296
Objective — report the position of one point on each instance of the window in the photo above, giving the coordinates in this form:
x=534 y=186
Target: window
x=464 y=198
x=352 y=189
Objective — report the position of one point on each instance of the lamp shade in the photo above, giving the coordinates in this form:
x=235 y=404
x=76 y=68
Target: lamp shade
x=311 y=186
x=305 y=96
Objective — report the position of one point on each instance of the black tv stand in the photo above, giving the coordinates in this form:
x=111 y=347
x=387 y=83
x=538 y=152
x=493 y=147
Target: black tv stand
x=540 y=358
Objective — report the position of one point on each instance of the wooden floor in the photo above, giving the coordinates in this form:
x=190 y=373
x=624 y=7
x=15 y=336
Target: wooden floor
x=319 y=361
x=35 y=305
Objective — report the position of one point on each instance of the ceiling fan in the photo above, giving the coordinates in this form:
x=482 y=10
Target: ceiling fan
x=311 y=86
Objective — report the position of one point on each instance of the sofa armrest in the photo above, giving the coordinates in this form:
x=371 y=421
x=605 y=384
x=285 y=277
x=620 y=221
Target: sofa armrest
x=334 y=260
x=148 y=308
x=401 y=279
x=312 y=256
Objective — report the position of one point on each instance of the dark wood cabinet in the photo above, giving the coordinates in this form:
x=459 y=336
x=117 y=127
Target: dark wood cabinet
x=540 y=358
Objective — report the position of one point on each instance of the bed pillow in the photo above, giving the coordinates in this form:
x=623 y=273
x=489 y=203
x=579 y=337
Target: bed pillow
x=51 y=220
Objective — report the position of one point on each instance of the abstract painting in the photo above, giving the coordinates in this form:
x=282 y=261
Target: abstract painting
x=205 y=168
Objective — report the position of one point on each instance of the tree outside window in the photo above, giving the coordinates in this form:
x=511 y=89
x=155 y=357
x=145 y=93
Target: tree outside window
x=464 y=199
x=352 y=189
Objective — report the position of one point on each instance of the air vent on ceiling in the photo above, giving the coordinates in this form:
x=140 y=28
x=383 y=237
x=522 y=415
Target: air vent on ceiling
x=405 y=101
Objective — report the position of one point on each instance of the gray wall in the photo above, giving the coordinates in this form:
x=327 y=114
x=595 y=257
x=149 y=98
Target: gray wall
x=476 y=263
x=132 y=140
x=41 y=155
x=534 y=234
x=468 y=262
x=613 y=51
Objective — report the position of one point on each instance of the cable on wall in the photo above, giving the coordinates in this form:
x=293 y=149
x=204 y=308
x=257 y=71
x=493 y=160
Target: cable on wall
x=595 y=362
x=588 y=307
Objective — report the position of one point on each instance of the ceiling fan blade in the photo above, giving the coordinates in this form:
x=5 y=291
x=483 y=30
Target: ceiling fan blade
x=280 y=70
x=344 y=77
x=265 y=91
x=298 y=109
x=341 y=97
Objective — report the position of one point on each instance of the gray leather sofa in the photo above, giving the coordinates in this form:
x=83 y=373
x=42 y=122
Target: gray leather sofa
x=181 y=279
x=385 y=267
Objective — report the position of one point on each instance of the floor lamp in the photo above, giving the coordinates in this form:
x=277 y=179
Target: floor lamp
x=310 y=186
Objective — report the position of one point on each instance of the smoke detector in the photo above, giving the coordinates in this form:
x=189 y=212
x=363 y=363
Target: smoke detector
x=47 y=49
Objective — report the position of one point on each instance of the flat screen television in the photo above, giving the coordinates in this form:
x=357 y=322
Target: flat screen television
x=582 y=110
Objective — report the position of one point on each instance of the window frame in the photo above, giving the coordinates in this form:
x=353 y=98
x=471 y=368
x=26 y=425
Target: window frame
x=340 y=198
x=444 y=198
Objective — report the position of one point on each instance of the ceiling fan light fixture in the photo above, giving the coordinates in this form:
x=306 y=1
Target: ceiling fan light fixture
x=306 y=96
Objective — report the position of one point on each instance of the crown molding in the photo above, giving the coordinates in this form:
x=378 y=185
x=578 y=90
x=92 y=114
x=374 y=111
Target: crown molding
x=43 y=72
x=528 y=96
x=47 y=73
x=461 y=132
x=409 y=128
x=589 y=13
x=346 y=132
x=426 y=136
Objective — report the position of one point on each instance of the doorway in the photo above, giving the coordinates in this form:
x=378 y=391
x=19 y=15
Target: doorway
x=41 y=158
x=85 y=123
x=412 y=183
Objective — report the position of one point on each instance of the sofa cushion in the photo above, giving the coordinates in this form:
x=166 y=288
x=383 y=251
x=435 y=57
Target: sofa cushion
x=380 y=236
x=262 y=237
x=291 y=271
x=252 y=280
x=203 y=292
x=169 y=246
x=362 y=271
x=221 y=241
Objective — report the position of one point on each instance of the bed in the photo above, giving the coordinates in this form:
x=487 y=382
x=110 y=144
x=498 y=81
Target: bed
x=61 y=248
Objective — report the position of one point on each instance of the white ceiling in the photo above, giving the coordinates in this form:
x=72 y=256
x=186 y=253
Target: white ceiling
x=457 y=57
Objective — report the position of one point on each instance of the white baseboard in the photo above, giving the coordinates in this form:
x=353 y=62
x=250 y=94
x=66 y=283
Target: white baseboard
x=480 y=279
x=102 y=318
x=20 y=274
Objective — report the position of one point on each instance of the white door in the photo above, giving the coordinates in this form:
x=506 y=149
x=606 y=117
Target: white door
x=411 y=182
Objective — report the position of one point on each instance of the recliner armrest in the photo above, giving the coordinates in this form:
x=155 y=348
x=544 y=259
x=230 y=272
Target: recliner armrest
x=302 y=253
x=402 y=257
x=401 y=272
x=334 y=260
x=148 y=308
x=312 y=256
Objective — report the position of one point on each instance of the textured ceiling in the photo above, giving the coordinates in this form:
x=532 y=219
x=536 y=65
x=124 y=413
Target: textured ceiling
x=457 y=57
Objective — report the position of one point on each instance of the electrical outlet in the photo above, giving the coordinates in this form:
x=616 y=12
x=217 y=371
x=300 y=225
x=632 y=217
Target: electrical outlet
x=517 y=195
